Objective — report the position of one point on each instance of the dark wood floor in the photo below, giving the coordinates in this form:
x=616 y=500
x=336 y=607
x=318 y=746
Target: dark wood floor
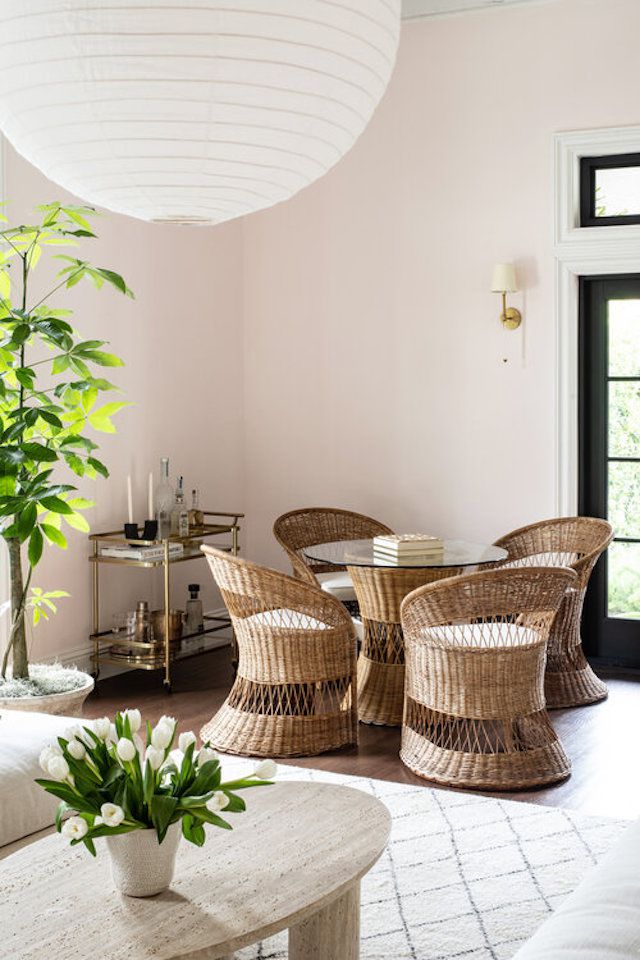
x=601 y=740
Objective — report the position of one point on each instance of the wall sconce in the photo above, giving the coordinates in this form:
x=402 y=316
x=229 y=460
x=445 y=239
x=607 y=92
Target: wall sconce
x=504 y=281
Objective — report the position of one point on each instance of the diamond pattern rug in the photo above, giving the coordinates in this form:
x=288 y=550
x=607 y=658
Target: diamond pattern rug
x=464 y=877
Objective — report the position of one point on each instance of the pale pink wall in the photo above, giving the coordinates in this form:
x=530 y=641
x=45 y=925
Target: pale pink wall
x=357 y=316
x=374 y=361
x=181 y=340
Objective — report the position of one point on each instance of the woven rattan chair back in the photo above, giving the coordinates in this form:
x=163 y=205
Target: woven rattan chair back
x=575 y=542
x=475 y=648
x=295 y=690
x=299 y=529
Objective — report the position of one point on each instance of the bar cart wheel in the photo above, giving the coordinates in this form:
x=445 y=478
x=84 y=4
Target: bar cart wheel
x=167 y=686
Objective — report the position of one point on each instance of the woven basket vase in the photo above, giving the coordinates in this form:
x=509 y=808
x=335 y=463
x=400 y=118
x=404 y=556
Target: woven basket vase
x=140 y=866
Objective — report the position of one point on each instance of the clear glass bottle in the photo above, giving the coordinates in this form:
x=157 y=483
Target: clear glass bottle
x=164 y=501
x=196 y=516
x=194 y=622
x=179 y=514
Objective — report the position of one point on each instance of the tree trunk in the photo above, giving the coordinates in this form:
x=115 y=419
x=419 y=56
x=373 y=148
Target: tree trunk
x=18 y=637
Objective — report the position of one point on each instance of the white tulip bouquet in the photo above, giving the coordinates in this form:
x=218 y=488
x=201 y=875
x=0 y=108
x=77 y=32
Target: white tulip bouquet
x=112 y=782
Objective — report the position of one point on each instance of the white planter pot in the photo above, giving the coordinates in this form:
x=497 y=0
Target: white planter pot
x=140 y=866
x=67 y=704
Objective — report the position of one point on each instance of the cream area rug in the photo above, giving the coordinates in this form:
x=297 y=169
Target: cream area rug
x=464 y=877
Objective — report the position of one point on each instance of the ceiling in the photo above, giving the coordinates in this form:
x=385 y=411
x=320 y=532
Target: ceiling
x=434 y=8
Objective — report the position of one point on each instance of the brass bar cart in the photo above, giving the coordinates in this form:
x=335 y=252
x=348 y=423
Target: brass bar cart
x=109 y=647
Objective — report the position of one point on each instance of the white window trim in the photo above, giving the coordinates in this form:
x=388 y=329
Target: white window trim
x=581 y=252
x=5 y=581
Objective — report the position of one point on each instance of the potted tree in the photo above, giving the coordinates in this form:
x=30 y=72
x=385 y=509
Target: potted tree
x=49 y=397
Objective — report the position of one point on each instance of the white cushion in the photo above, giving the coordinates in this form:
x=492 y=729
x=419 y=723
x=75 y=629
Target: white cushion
x=484 y=635
x=338 y=584
x=293 y=620
x=24 y=806
x=600 y=920
x=286 y=620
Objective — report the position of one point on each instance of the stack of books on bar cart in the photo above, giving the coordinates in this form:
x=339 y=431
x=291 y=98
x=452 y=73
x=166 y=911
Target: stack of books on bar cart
x=148 y=553
x=407 y=549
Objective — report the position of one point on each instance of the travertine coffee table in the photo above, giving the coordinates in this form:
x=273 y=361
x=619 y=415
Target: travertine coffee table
x=294 y=860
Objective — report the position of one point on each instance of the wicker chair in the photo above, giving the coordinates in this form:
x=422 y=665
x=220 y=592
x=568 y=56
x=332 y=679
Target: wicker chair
x=474 y=713
x=295 y=690
x=299 y=529
x=575 y=542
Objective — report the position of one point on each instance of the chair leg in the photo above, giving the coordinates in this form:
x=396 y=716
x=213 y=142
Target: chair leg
x=569 y=680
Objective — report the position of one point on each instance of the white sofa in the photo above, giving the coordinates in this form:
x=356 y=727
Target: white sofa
x=600 y=920
x=25 y=808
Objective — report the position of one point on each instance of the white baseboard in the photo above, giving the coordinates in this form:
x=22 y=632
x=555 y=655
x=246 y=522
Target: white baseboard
x=81 y=656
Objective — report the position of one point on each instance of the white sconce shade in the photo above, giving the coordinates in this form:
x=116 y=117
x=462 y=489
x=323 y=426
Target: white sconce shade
x=503 y=279
x=194 y=112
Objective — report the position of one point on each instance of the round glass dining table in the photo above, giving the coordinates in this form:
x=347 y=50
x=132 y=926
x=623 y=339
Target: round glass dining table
x=380 y=586
x=359 y=553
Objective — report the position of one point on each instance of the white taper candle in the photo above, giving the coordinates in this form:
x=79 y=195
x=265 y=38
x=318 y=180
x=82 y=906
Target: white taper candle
x=129 y=498
x=150 y=505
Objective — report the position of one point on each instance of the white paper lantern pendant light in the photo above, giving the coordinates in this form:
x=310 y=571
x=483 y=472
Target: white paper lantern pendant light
x=196 y=112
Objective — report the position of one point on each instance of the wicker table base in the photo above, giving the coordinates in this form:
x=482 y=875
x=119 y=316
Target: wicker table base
x=380 y=592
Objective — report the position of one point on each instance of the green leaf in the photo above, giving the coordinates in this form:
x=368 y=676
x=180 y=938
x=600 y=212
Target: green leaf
x=27 y=521
x=60 y=364
x=77 y=217
x=25 y=377
x=56 y=505
x=115 y=279
x=78 y=522
x=89 y=398
x=104 y=359
x=213 y=818
x=98 y=466
x=60 y=812
x=99 y=422
x=90 y=845
x=81 y=503
x=36 y=544
x=162 y=809
x=193 y=831
x=40 y=453
x=21 y=333
x=50 y=418
x=35 y=252
x=12 y=455
x=54 y=535
x=208 y=779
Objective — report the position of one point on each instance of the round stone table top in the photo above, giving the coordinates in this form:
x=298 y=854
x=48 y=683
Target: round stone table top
x=297 y=848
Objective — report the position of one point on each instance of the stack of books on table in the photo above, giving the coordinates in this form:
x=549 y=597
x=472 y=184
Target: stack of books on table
x=146 y=553
x=407 y=548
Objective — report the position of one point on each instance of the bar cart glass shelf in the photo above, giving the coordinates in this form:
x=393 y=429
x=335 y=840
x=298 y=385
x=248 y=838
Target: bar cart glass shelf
x=111 y=647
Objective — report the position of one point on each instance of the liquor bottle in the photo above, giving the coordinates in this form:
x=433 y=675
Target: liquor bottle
x=164 y=501
x=194 y=622
x=179 y=514
x=196 y=516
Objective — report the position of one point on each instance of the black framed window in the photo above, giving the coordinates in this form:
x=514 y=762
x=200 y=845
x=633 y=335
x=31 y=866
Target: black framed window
x=610 y=190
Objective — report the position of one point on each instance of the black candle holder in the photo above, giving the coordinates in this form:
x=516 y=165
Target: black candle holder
x=150 y=531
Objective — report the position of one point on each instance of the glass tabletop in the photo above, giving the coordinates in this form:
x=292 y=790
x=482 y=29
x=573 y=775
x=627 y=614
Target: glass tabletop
x=359 y=553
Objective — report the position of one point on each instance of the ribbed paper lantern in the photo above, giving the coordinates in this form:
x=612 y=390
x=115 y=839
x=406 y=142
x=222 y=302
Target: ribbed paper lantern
x=191 y=111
